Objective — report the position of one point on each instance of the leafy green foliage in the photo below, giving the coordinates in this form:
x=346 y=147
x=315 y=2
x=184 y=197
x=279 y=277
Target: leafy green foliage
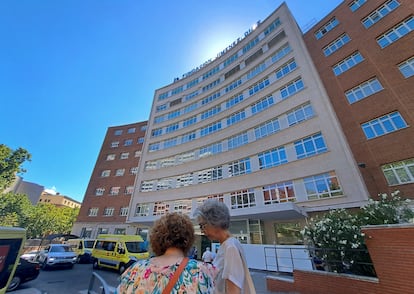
x=338 y=233
x=10 y=164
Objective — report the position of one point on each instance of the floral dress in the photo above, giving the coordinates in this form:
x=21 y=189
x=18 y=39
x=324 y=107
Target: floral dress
x=143 y=277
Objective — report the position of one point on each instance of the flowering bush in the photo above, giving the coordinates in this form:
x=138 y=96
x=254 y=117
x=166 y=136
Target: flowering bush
x=337 y=234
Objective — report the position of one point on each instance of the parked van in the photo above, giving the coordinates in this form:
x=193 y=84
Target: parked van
x=83 y=248
x=118 y=251
x=11 y=245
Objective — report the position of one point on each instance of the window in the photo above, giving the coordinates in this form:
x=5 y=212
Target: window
x=146 y=186
x=210 y=150
x=120 y=172
x=233 y=86
x=211 y=85
x=166 y=162
x=383 y=125
x=250 y=45
x=230 y=60
x=242 y=199
x=237 y=141
x=93 y=211
x=336 y=45
x=212 y=128
x=259 y=86
x=192 y=83
x=137 y=153
x=108 y=211
x=184 y=180
x=326 y=28
x=171 y=128
x=262 y=104
x=190 y=107
x=128 y=142
x=189 y=121
x=191 y=95
x=163 y=96
x=210 y=174
x=400 y=172
x=234 y=100
x=106 y=173
x=142 y=209
x=170 y=143
x=407 y=68
x=285 y=69
x=156 y=132
x=272 y=27
x=123 y=211
x=124 y=155
x=277 y=193
x=272 y=158
x=118 y=132
x=356 y=4
x=310 y=146
x=161 y=107
x=110 y=157
x=114 y=144
x=255 y=71
x=379 y=13
x=177 y=90
x=154 y=147
x=120 y=231
x=210 y=98
x=188 y=137
x=161 y=208
x=173 y=114
x=363 y=90
x=129 y=190
x=300 y=114
x=322 y=186
x=282 y=52
x=99 y=191
x=291 y=88
x=396 y=32
x=164 y=184
x=144 y=128
x=151 y=165
x=347 y=63
x=140 y=140
x=267 y=129
x=133 y=170
x=236 y=117
x=210 y=73
x=131 y=130
x=210 y=112
x=239 y=167
x=185 y=157
x=114 y=191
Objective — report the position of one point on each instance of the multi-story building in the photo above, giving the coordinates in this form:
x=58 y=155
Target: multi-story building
x=364 y=53
x=106 y=200
x=32 y=190
x=254 y=128
x=58 y=200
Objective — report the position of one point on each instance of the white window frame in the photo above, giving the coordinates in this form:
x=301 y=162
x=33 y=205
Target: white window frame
x=363 y=90
x=399 y=172
x=407 y=67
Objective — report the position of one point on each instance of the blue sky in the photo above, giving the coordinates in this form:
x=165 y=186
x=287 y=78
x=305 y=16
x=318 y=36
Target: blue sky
x=70 y=69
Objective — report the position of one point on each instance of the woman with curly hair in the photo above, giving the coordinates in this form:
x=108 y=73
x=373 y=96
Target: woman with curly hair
x=171 y=238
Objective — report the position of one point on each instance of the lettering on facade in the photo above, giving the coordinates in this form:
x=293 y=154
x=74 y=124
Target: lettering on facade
x=221 y=53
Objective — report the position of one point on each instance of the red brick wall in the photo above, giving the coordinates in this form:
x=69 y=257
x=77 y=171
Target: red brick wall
x=392 y=252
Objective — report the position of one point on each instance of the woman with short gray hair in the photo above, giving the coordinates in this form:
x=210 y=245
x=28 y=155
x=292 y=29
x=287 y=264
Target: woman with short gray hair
x=214 y=220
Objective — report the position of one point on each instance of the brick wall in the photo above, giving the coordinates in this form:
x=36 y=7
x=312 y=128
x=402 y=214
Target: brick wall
x=392 y=252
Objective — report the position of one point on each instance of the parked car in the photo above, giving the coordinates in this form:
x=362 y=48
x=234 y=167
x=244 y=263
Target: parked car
x=55 y=255
x=31 y=255
x=25 y=271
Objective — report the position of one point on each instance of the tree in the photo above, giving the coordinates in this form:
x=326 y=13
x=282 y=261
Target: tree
x=14 y=210
x=10 y=164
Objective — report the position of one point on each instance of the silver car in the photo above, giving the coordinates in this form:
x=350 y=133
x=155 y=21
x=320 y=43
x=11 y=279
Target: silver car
x=55 y=255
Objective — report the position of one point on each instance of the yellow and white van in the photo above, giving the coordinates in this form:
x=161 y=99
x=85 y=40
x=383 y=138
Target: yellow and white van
x=11 y=244
x=118 y=251
x=83 y=248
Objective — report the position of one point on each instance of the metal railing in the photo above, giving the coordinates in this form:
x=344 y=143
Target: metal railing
x=103 y=286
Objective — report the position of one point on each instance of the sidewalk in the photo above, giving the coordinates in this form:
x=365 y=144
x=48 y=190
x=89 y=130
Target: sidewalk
x=259 y=280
